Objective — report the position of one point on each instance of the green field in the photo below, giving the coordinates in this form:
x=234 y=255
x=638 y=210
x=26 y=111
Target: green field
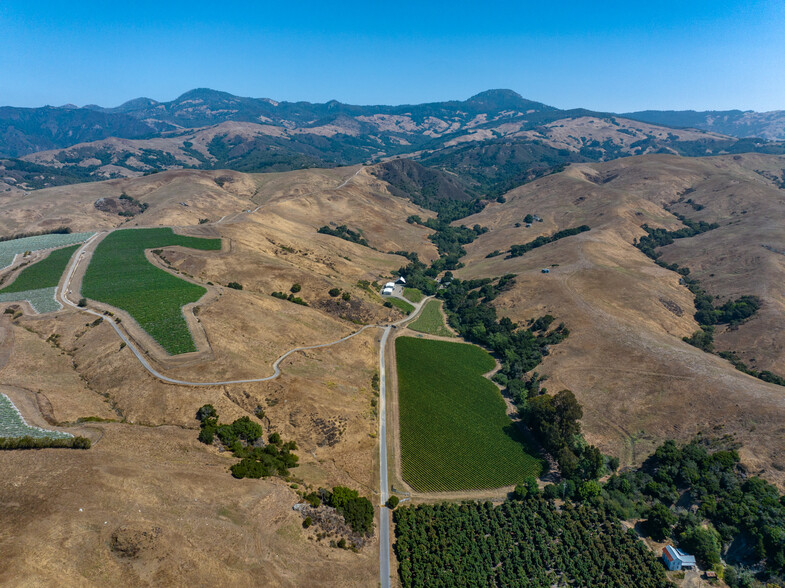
x=120 y=275
x=412 y=294
x=400 y=304
x=455 y=433
x=431 y=321
x=43 y=274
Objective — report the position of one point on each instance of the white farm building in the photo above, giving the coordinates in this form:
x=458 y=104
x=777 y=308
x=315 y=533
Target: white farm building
x=388 y=288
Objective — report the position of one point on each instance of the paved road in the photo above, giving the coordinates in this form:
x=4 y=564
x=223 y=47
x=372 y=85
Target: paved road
x=384 y=515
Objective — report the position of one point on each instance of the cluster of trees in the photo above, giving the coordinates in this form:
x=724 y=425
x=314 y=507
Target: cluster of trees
x=291 y=296
x=520 y=543
x=467 y=303
x=58 y=231
x=140 y=206
x=700 y=496
x=357 y=510
x=44 y=443
x=518 y=250
x=449 y=240
x=345 y=233
x=335 y=292
x=554 y=420
x=243 y=438
x=661 y=237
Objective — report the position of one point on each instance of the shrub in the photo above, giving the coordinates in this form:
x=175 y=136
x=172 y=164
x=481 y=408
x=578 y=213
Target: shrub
x=234 y=286
x=82 y=303
x=307 y=522
x=295 y=288
x=205 y=412
x=334 y=292
x=392 y=502
x=313 y=499
x=346 y=296
x=207 y=435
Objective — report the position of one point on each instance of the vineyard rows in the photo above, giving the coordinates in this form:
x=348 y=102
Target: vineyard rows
x=42 y=300
x=9 y=249
x=13 y=425
x=454 y=429
x=120 y=275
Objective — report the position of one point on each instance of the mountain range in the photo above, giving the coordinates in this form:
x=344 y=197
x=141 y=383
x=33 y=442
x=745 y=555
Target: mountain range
x=493 y=141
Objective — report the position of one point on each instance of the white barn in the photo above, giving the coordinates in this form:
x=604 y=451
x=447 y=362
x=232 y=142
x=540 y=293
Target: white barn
x=676 y=559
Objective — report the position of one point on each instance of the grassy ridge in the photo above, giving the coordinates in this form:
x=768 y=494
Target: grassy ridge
x=455 y=432
x=120 y=275
x=431 y=321
x=43 y=274
x=412 y=294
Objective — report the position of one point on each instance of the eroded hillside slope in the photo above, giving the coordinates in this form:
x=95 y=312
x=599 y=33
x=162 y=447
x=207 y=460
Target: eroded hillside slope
x=638 y=381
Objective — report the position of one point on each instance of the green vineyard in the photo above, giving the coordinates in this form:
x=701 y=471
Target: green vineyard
x=454 y=428
x=120 y=275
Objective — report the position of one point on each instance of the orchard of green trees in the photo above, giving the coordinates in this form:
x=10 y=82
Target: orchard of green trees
x=528 y=543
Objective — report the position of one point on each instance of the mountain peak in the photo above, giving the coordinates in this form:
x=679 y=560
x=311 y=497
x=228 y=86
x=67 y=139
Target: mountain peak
x=503 y=99
x=205 y=94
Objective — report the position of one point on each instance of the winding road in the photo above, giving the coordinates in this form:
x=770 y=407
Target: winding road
x=384 y=514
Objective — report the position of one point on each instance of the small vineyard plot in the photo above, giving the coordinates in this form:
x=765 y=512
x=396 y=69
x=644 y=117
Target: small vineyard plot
x=12 y=425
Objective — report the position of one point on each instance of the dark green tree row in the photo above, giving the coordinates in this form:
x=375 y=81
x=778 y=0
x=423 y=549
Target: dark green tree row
x=345 y=233
x=528 y=543
x=58 y=231
x=707 y=315
x=518 y=250
x=699 y=495
x=519 y=349
x=449 y=240
x=242 y=438
x=44 y=443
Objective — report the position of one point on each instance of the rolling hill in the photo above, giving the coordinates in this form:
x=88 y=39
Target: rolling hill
x=495 y=140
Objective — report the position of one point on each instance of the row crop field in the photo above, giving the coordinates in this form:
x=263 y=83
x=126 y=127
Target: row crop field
x=431 y=320
x=43 y=274
x=9 y=249
x=12 y=425
x=529 y=543
x=454 y=429
x=42 y=299
x=120 y=275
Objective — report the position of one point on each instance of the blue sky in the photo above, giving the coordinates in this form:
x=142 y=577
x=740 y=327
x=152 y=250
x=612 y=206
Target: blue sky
x=613 y=56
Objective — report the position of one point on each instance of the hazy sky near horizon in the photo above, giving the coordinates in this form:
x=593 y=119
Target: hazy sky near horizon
x=611 y=56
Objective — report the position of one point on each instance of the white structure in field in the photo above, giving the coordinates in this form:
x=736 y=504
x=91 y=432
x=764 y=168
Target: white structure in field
x=401 y=280
x=388 y=289
x=676 y=559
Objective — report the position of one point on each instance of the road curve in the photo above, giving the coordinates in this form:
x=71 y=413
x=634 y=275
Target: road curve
x=384 y=514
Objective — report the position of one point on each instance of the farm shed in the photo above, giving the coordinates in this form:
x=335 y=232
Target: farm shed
x=676 y=559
